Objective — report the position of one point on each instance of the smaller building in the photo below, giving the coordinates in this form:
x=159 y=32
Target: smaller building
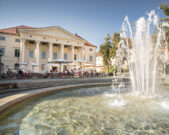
x=99 y=63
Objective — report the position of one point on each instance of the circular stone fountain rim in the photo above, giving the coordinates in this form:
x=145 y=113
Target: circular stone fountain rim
x=9 y=102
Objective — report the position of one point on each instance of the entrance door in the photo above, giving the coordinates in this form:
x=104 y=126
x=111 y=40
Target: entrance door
x=64 y=67
x=55 y=69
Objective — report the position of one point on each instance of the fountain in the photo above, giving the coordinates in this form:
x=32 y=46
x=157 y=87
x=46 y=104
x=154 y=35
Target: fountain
x=143 y=51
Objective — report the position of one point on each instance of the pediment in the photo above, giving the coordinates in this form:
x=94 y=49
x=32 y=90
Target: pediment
x=57 y=32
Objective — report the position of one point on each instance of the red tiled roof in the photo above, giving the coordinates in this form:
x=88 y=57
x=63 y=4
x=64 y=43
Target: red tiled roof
x=98 y=54
x=89 y=44
x=13 y=30
x=86 y=43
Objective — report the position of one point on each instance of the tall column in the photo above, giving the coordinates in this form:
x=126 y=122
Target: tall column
x=22 y=51
x=82 y=53
x=62 y=51
x=61 y=56
x=50 y=51
x=37 y=56
x=73 y=53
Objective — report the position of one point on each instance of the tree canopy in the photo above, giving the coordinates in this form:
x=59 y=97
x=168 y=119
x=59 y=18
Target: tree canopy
x=115 y=42
x=165 y=8
x=108 y=49
x=105 y=51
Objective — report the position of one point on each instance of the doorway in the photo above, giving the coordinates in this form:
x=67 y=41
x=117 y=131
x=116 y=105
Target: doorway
x=55 y=69
x=64 y=67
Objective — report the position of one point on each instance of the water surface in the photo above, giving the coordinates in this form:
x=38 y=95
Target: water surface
x=90 y=111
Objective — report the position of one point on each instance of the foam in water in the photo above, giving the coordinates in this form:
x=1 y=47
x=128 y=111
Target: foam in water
x=117 y=103
x=165 y=105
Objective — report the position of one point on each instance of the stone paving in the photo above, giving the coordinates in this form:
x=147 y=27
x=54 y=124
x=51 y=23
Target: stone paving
x=33 y=84
x=48 y=79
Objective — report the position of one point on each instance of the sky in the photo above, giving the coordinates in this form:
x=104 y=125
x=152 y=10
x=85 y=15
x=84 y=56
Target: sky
x=91 y=19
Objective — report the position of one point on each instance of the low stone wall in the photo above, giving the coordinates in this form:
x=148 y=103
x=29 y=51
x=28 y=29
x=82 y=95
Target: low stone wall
x=8 y=86
x=17 y=86
x=7 y=103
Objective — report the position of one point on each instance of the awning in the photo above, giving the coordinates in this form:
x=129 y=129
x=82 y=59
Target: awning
x=52 y=64
x=32 y=63
x=79 y=61
x=72 y=64
x=77 y=67
x=87 y=65
x=59 y=61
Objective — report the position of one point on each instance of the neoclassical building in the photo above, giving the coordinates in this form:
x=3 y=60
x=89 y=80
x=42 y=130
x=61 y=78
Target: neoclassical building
x=42 y=49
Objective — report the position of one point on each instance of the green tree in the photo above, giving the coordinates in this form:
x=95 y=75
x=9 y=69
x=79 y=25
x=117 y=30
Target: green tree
x=105 y=50
x=115 y=42
x=165 y=8
x=108 y=49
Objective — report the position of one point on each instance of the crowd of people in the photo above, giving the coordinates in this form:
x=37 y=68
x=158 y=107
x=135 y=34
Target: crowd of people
x=52 y=74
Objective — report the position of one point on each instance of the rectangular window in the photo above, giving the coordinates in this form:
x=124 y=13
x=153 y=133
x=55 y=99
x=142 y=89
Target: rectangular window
x=56 y=45
x=17 y=40
x=91 y=58
x=65 y=56
x=75 y=57
x=90 y=49
x=43 y=55
x=44 y=43
x=54 y=55
x=17 y=53
x=2 y=51
x=31 y=42
x=2 y=38
x=31 y=54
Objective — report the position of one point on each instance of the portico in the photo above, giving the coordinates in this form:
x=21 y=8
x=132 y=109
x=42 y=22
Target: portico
x=42 y=49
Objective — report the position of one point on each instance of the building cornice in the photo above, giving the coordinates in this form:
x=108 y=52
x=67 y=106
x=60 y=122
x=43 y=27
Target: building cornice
x=51 y=28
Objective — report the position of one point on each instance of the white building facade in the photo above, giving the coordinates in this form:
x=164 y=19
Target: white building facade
x=99 y=63
x=42 y=49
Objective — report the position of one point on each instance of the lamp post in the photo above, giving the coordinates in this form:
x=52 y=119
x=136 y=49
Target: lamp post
x=1 y=60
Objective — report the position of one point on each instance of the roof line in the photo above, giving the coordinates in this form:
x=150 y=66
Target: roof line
x=12 y=27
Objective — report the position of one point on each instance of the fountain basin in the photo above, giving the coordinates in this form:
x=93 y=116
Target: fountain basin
x=89 y=110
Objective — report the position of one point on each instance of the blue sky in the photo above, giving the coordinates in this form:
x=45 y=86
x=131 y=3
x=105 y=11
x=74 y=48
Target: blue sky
x=91 y=19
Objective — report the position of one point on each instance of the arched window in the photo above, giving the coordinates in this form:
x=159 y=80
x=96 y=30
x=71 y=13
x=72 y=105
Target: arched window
x=16 y=66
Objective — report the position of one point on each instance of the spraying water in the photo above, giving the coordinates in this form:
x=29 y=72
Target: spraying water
x=142 y=51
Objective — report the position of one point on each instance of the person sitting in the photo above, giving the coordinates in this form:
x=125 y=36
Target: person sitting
x=67 y=73
x=4 y=75
x=9 y=73
x=20 y=73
